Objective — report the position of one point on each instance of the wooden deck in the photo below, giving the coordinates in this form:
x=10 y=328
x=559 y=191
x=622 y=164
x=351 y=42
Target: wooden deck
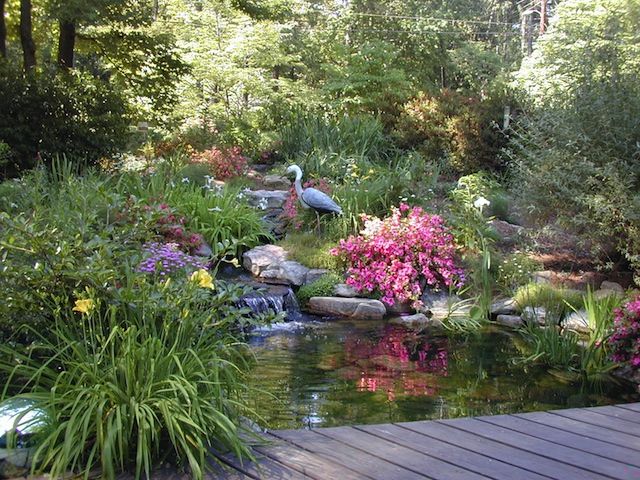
x=580 y=444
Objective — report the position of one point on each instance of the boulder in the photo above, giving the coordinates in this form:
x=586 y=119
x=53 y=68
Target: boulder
x=314 y=274
x=544 y=276
x=287 y=272
x=344 y=290
x=577 y=322
x=612 y=287
x=443 y=312
x=417 y=320
x=400 y=308
x=355 y=308
x=260 y=258
x=513 y=321
x=440 y=305
x=600 y=294
x=276 y=182
x=506 y=306
x=534 y=314
x=508 y=234
x=267 y=199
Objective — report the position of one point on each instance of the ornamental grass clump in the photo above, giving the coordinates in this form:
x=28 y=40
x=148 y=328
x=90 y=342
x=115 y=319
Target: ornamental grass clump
x=625 y=340
x=401 y=255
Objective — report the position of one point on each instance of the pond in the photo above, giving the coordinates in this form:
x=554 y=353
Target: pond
x=315 y=374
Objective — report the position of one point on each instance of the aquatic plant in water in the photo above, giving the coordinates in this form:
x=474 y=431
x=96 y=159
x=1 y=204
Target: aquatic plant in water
x=400 y=255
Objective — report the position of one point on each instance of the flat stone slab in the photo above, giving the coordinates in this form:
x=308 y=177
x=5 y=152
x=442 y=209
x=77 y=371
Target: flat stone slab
x=577 y=322
x=315 y=274
x=287 y=272
x=513 y=321
x=276 y=182
x=356 y=308
x=505 y=306
x=417 y=320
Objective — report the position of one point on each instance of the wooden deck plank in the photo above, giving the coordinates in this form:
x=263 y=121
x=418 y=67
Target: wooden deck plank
x=605 y=421
x=398 y=454
x=263 y=468
x=630 y=406
x=451 y=453
x=621 y=413
x=579 y=442
x=572 y=444
x=580 y=428
x=364 y=463
x=498 y=451
x=305 y=462
x=590 y=466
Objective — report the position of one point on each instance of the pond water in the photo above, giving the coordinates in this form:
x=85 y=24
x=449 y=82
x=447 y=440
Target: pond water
x=314 y=374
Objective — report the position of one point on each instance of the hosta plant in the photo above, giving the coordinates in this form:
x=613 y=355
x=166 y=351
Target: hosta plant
x=401 y=255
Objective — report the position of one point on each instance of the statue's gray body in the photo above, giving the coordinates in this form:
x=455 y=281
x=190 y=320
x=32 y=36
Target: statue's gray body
x=311 y=197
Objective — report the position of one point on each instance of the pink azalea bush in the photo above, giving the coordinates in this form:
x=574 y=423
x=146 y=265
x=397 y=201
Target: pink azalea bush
x=625 y=340
x=401 y=255
x=223 y=163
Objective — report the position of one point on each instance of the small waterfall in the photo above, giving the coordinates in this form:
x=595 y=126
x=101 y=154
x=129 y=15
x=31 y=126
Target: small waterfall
x=281 y=299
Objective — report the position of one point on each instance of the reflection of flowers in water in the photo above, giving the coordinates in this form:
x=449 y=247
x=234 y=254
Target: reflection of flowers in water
x=399 y=362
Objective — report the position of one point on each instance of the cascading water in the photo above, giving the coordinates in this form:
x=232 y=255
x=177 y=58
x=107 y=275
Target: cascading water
x=278 y=300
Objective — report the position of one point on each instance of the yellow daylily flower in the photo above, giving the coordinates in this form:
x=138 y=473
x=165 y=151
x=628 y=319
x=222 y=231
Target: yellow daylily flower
x=202 y=278
x=84 y=305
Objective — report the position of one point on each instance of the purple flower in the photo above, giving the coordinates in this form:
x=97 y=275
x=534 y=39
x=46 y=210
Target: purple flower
x=166 y=258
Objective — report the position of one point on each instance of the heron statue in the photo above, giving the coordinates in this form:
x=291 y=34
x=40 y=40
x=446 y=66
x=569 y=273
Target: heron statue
x=312 y=198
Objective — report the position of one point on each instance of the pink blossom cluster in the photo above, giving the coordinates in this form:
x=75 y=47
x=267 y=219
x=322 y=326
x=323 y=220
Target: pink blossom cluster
x=400 y=255
x=625 y=340
x=291 y=205
x=171 y=226
x=223 y=163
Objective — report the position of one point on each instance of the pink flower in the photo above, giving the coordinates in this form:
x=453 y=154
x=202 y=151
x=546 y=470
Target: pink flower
x=401 y=254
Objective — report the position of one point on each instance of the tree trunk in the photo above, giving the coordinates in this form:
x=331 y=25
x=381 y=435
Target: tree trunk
x=3 y=31
x=26 y=35
x=66 y=44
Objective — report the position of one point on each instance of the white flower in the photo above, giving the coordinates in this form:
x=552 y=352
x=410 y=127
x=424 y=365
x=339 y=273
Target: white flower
x=263 y=203
x=185 y=180
x=481 y=202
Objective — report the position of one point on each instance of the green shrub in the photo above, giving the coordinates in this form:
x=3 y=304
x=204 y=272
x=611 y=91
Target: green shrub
x=152 y=373
x=221 y=214
x=515 y=270
x=64 y=234
x=323 y=287
x=450 y=125
x=46 y=115
x=574 y=156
